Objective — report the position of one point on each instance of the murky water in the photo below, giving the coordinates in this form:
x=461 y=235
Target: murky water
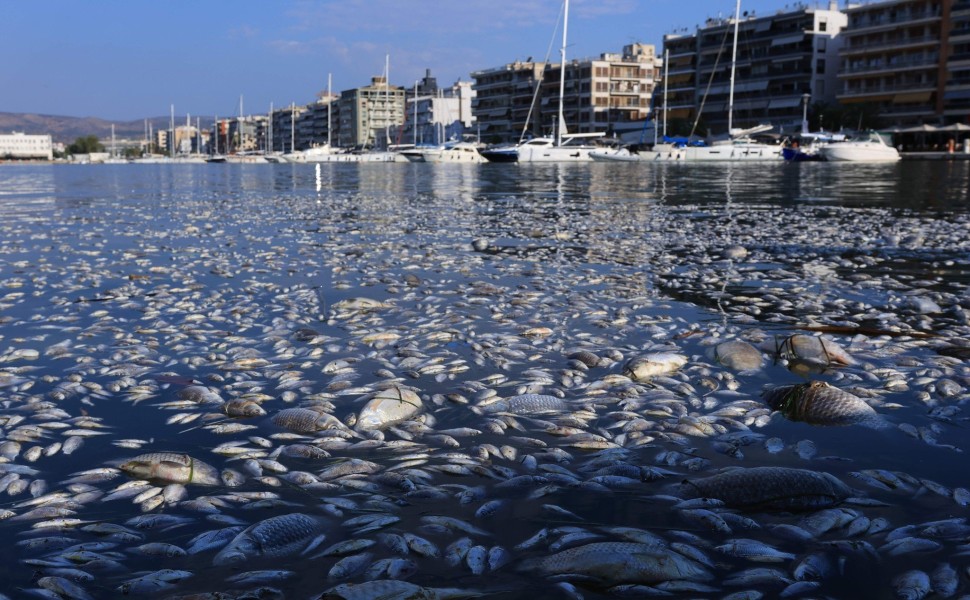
x=122 y=286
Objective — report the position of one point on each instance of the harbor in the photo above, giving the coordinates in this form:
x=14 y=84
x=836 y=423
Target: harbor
x=483 y=381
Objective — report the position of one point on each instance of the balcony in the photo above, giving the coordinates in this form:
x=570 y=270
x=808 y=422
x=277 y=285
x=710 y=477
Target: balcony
x=882 y=19
x=857 y=46
x=877 y=67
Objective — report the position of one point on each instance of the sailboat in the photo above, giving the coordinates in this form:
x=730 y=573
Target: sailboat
x=557 y=148
x=739 y=146
x=113 y=158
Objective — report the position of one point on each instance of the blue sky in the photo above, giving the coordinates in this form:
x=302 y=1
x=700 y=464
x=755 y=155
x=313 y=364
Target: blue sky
x=129 y=59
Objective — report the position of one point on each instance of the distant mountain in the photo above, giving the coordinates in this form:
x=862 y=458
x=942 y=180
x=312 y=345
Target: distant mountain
x=68 y=129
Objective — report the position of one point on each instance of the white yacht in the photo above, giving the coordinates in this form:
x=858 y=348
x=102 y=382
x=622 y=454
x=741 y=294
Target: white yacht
x=457 y=152
x=870 y=149
x=320 y=153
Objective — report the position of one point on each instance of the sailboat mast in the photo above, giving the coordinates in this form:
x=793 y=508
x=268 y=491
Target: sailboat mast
x=734 y=60
x=562 y=72
x=329 y=106
x=171 y=144
x=387 y=101
x=666 y=61
x=292 y=127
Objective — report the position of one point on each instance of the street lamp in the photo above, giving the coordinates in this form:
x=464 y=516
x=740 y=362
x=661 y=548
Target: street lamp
x=805 y=99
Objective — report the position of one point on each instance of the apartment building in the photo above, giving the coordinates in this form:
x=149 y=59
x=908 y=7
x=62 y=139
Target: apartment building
x=504 y=100
x=600 y=94
x=365 y=116
x=435 y=116
x=955 y=104
x=284 y=120
x=785 y=61
x=895 y=58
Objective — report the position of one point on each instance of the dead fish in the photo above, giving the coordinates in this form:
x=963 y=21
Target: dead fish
x=610 y=563
x=305 y=420
x=819 y=403
x=642 y=368
x=391 y=589
x=778 y=488
x=753 y=550
x=912 y=585
x=813 y=349
x=273 y=537
x=243 y=407
x=388 y=407
x=156 y=581
x=526 y=404
x=738 y=355
x=171 y=467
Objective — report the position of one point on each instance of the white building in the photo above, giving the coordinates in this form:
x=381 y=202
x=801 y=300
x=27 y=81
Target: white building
x=444 y=116
x=18 y=145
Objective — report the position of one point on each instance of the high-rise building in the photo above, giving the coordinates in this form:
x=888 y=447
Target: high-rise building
x=895 y=59
x=366 y=115
x=784 y=61
x=604 y=94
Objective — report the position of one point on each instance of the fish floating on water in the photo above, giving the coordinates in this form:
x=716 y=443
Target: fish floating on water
x=274 y=537
x=819 y=403
x=769 y=488
x=171 y=467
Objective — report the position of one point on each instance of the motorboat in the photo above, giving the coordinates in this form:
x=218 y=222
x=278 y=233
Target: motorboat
x=502 y=154
x=321 y=153
x=457 y=152
x=870 y=149
x=806 y=146
x=545 y=149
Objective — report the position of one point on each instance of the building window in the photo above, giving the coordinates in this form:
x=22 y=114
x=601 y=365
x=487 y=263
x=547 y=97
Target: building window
x=822 y=26
x=820 y=88
x=821 y=45
x=820 y=66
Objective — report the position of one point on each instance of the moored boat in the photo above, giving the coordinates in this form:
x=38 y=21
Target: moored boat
x=870 y=149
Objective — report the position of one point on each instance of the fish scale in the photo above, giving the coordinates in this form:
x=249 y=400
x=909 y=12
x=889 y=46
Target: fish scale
x=273 y=537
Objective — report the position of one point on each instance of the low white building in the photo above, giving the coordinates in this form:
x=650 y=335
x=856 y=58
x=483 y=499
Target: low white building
x=18 y=145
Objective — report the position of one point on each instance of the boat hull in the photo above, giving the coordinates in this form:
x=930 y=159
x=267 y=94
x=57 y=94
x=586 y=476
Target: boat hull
x=864 y=152
x=725 y=152
x=502 y=155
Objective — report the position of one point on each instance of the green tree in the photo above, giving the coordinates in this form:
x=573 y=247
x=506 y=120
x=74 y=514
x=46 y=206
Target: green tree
x=85 y=145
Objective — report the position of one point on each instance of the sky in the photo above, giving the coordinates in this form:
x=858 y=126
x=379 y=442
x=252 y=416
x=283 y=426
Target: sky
x=132 y=59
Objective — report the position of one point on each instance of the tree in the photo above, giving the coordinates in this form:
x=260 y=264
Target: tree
x=85 y=145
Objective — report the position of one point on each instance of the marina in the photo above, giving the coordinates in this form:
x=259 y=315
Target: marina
x=594 y=380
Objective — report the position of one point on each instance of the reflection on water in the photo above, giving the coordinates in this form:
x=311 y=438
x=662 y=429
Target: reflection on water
x=126 y=288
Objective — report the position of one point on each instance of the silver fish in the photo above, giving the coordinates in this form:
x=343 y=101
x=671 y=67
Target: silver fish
x=391 y=589
x=526 y=404
x=738 y=355
x=613 y=563
x=171 y=467
x=912 y=585
x=753 y=550
x=388 y=407
x=642 y=368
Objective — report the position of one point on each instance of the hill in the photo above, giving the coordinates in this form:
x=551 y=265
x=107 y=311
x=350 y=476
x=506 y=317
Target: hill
x=68 y=129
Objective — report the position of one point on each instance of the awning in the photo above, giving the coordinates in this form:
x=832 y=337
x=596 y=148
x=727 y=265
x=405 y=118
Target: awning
x=912 y=97
x=785 y=103
x=924 y=128
x=788 y=39
x=751 y=105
